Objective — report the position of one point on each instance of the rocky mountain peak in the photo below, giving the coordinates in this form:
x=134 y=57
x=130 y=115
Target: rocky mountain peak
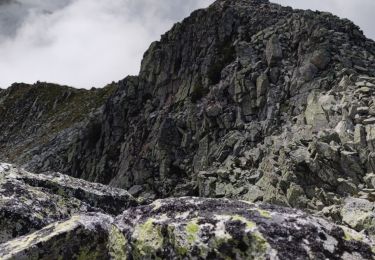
x=244 y=100
x=223 y=82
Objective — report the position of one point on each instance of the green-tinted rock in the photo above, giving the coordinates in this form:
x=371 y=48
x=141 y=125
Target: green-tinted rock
x=28 y=201
x=314 y=114
x=197 y=228
x=359 y=214
x=80 y=237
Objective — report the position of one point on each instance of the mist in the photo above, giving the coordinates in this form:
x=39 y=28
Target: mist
x=82 y=43
x=87 y=43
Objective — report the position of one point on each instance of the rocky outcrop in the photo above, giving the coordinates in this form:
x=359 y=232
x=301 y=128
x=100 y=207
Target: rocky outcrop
x=244 y=99
x=29 y=201
x=80 y=237
x=194 y=228
x=222 y=229
x=359 y=214
x=32 y=115
x=109 y=199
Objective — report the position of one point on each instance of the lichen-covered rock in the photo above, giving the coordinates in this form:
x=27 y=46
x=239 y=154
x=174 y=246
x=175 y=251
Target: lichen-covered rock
x=359 y=214
x=24 y=208
x=80 y=237
x=193 y=228
x=30 y=201
x=197 y=228
x=109 y=199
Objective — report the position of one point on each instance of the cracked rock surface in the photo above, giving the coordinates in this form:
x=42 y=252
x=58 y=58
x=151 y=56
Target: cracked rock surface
x=193 y=228
x=243 y=102
x=29 y=202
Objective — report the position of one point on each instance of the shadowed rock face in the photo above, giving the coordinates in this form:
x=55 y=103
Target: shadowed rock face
x=32 y=115
x=193 y=228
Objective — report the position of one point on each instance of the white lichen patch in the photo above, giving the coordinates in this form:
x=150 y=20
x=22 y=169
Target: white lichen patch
x=220 y=231
x=249 y=203
x=4 y=167
x=156 y=205
x=183 y=215
x=330 y=243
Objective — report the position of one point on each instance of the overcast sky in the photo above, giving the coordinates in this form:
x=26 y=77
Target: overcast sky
x=361 y=12
x=85 y=43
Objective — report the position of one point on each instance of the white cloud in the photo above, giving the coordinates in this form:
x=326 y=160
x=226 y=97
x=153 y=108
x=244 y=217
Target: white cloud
x=84 y=43
x=87 y=43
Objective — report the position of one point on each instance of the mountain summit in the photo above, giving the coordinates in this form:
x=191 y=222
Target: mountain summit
x=244 y=100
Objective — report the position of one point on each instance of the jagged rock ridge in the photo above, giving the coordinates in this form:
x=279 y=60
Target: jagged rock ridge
x=243 y=100
x=32 y=115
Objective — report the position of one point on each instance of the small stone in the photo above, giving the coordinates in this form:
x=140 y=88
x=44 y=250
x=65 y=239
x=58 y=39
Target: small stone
x=346 y=187
x=214 y=110
x=4 y=167
x=296 y=196
x=273 y=50
x=262 y=85
x=248 y=105
x=345 y=82
x=370 y=180
x=364 y=90
x=308 y=71
x=372 y=111
x=360 y=84
x=360 y=134
x=369 y=121
x=365 y=84
x=254 y=194
x=314 y=114
x=358 y=213
x=136 y=190
x=321 y=58
x=363 y=110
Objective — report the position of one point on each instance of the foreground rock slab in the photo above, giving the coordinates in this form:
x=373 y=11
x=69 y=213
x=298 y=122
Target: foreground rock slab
x=80 y=237
x=193 y=228
x=28 y=201
x=111 y=200
x=197 y=228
